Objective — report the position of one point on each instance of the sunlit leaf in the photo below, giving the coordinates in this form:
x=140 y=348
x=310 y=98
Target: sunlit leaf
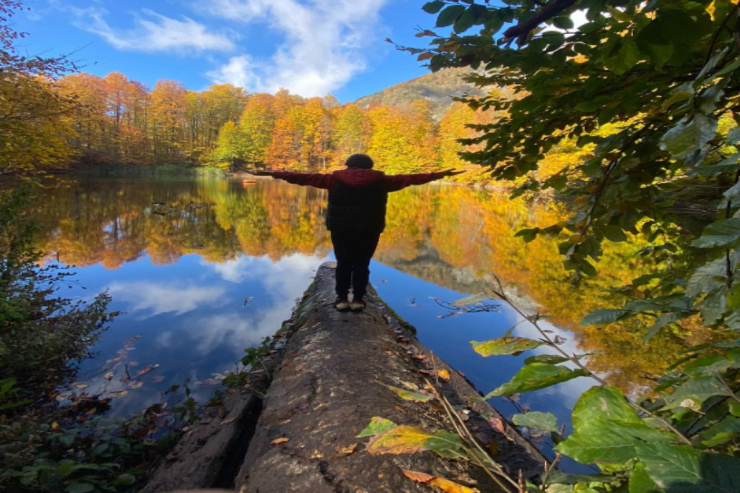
x=504 y=345
x=537 y=376
x=410 y=395
x=538 y=420
x=399 y=440
x=551 y=359
x=377 y=425
x=604 y=441
x=604 y=402
x=686 y=469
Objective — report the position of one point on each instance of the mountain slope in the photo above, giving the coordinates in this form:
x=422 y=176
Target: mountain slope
x=437 y=88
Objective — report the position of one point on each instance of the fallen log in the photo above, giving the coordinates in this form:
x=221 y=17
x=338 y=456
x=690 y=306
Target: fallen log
x=335 y=373
x=333 y=379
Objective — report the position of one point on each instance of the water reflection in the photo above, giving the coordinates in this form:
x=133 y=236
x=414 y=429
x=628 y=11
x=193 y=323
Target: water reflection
x=180 y=257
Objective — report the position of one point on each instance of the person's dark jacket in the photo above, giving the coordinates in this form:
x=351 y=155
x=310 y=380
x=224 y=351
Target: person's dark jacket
x=357 y=196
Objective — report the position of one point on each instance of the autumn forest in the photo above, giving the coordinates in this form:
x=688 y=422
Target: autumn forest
x=115 y=120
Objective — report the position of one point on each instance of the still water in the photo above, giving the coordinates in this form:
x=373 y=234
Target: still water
x=202 y=269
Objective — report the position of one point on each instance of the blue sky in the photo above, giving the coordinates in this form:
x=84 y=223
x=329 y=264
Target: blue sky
x=311 y=47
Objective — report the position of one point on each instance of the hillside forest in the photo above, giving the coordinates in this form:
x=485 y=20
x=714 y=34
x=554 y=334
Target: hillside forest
x=115 y=120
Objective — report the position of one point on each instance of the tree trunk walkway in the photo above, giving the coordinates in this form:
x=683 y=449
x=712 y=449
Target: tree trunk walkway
x=327 y=377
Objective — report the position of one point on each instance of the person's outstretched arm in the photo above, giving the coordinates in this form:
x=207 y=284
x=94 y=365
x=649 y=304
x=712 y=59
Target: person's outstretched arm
x=317 y=180
x=393 y=183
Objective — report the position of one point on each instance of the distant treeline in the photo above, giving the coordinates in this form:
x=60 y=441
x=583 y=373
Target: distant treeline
x=116 y=120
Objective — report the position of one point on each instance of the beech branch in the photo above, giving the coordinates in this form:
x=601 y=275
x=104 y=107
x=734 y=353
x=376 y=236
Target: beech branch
x=548 y=11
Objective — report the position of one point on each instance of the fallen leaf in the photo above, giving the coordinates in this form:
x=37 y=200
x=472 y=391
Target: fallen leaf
x=410 y=395
x=278 y=441
x=451 y=487
x=80 y=385
x=109 y=376
x=443 y=484
x=284 y=422
x=419 y=477
x=124 y=379
x=136 y=384
x=147 y=369
x=420 y=357
x=443 y=374
x=119 y=393
x=498 y=424
x=399 y=440
x=133 y=339
x=409 y=385
x=377 y=425
x=228 y=421
x=55 y=425
x=348 y=450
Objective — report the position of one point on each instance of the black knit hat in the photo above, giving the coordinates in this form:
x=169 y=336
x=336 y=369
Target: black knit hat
x=359 y=161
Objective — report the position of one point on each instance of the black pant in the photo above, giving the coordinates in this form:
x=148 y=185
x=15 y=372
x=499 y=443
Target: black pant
x=353 y=252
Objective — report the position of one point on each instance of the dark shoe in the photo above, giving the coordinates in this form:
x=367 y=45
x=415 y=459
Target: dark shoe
x=357 y=305
x=342 y=305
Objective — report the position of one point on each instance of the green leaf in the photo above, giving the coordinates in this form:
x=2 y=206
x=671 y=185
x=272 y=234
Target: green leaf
x=551 y=359
x=504 y=345
x=79 y=488
x=725 y=232
x=689 y=135
x=684 y=469
x=604 y=441
x=377 y=425
x=640 y=481
x=445 y=444
x=124 y=479
x=466 y=21
x=433 y=7
x=614 y=233
x=538 y=420
x=626 y=58
x=733 y=137
x=605 y=316
x=605 y=402
x=662 y=321
x=537 y=376
x=410 y=395
x=449 y=15
x=693 y=392
x=560 y=477
x=707 y=278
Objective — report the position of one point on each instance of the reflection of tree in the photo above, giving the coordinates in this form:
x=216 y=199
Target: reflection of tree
x=456 y=237
x=452 y=236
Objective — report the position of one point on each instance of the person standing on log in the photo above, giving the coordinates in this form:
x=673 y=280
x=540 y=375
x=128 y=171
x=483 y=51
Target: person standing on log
x=356 y=217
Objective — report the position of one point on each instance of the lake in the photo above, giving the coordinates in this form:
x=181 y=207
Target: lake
x=203 y=268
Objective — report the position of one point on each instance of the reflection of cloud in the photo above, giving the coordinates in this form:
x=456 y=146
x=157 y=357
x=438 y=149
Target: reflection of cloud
x=283 y=280
x=164 y=298
x=164 y=339
x=288 y=276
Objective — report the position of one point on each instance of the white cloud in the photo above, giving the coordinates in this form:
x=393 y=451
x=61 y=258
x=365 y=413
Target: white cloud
x=325 y=43
x=164 y=298
x=153 y=32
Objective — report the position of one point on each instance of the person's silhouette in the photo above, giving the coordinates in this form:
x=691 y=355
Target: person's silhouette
x=356 y=217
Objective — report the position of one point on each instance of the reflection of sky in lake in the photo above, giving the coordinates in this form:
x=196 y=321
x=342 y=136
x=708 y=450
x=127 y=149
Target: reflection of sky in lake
x=190 y=311
x=192 y=318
